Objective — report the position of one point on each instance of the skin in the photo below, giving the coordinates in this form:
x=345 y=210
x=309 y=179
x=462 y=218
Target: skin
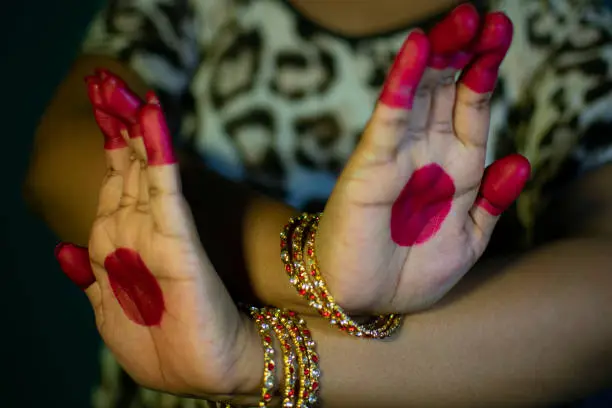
x=563 y=288
x=136 y=289
x=422 y=207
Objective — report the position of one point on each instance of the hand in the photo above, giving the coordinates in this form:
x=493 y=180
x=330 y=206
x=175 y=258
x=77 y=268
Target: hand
x=414 y=209
x=159 y=305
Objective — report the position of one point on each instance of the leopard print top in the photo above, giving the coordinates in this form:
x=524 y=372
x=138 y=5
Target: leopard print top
x=270 y=98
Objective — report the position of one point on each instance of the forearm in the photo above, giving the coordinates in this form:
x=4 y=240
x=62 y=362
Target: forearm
x=531 y=333
x=581 y=209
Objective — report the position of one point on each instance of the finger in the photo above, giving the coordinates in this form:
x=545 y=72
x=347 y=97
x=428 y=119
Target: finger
x=74 y=262
x=118 y=98
x=451 y=42
x=392 y=114
x=456 y=32
x=501 y=185
x=117 y=152
x=165 y=199
x=134 y=188
x=138 y=145
x=471 y=116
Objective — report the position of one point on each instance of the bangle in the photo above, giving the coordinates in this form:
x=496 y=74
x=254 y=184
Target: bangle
x=305 y=276
x=300 y=361
x=269 y=375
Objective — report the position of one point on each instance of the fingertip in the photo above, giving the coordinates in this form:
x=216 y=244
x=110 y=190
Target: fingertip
x=497 y=33
x=119 y=98
x=74 y=262
x=156 y=135
x=456 y=31
x=491 y=49
x=93 y=91
x=407 y=71
x=502 y=183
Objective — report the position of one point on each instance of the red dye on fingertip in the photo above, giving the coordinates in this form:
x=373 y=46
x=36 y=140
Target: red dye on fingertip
x=456 y=31
x=74 y=262
x=93 y=91
x=112 y=129
x=461 y=60
x=119 y=99
x=502 y=183
x=422 y=206
x=491 y=48
x=439 y=61
x=135 y=287
x=496 y=34
x=406 y=72
x=156 y=136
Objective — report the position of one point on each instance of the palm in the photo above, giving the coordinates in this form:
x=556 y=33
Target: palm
x=403 y=278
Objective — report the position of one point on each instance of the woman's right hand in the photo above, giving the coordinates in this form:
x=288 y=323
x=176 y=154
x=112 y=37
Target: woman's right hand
x=159 y=305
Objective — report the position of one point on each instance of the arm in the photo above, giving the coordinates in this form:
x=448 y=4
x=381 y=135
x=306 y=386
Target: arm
x=529 y=334
x=536 y=333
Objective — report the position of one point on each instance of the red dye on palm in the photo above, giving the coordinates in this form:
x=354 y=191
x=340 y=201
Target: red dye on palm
x=422 y=206
x=135 y=287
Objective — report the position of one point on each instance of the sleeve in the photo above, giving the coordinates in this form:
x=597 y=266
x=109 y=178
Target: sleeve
x=557 y=84
x=158 y=40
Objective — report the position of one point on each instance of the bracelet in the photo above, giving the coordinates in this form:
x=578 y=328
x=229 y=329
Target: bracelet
x=301 y=371
x=269 y=375
x=305 y=276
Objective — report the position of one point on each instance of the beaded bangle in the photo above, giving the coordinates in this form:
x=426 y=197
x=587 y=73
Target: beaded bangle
x=289 y=357
x=301 y=369
x=269 y=375
x=309 y=283
x=310 y=358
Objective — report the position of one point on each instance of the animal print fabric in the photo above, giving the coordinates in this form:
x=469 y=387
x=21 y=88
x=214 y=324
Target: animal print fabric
x=267 y=97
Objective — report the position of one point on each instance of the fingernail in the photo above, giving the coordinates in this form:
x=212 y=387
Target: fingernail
x=502 y=183
x=74 y=262
x=406 y=72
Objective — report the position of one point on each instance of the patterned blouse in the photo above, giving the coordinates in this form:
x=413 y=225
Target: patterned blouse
x=265 y=96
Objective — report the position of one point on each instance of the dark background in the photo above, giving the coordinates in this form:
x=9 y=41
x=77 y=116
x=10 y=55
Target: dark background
x=48 y=341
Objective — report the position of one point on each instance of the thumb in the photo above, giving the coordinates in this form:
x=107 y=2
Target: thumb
x=74 y=261
x=502 y=183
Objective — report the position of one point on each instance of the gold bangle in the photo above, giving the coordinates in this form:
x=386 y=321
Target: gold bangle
x=301 y=370
x=310 y=359
x=307 y=279
x=269 y=374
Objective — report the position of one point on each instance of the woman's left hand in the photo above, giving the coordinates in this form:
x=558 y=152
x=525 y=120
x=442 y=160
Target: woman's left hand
x=414 y=208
